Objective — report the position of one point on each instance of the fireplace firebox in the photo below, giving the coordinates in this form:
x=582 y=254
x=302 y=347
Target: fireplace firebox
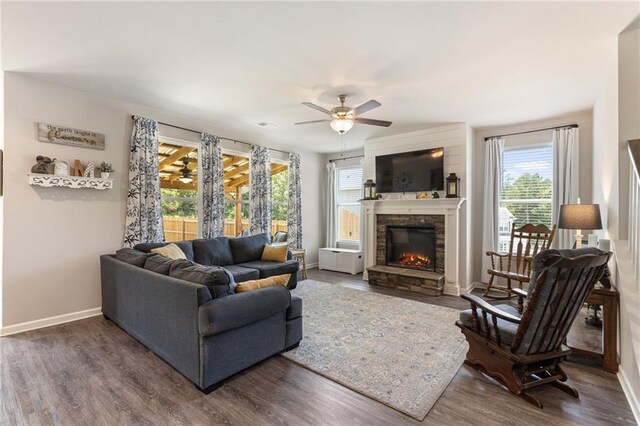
x=411 y=247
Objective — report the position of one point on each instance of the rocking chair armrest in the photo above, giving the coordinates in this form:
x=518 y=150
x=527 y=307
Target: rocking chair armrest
x=495 y=253
x=519 y=292
x=486 y=306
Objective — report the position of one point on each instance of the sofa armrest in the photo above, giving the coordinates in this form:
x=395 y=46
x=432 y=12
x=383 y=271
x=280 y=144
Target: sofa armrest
x=238 y=310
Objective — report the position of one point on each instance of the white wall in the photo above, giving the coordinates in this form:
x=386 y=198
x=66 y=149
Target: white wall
x=582 y=119
x=54 y=236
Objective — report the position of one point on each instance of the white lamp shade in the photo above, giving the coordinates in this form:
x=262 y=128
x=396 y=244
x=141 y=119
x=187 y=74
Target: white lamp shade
x=341 y=125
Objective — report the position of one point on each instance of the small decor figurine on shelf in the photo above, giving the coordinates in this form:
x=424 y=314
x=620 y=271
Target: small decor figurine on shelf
x=434 y=193
x=453 y=186
x=423 y=196
x=105 y=170
x=60 y=168
x=78 y=169
x=89 y=171
x=42 y=165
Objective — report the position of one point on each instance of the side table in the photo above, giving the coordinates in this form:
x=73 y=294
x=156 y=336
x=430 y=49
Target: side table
x=300 y=256
x=608 y=299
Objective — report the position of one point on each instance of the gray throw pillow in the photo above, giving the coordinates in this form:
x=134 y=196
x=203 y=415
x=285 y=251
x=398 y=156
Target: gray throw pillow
x=133 y=257
x=219 y=280
x=159 y=264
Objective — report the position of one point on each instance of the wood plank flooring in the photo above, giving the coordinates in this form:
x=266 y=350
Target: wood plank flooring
x=91 y=372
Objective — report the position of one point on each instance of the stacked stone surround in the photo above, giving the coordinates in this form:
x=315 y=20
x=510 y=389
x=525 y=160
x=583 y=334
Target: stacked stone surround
x=427 y=221
x=431 y=283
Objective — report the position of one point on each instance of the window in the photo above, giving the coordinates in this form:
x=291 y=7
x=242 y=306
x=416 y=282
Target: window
x=177 y=164
x=525 y=196
x=279 y=197
x=236 y=189
x=349 y=191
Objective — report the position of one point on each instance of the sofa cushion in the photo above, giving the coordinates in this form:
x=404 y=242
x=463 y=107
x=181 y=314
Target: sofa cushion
x=295 y=308
x=219 y=281
x=247 y=249
x=507 y=329
x=133 y=256
x=171 y=251
x=268 y=269
x=262 y=283
x=212 y=251
x=159 y=264
x=241 y=274
x=185 y=246
x=275 y=253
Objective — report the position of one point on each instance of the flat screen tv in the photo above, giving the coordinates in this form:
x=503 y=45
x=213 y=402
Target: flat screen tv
x=416 y=171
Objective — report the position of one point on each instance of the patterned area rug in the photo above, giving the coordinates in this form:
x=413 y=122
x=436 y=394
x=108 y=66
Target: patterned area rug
x=399 y=352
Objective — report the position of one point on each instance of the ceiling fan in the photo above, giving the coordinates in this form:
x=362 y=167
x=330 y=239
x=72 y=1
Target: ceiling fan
x=185 y=173
x=342 y=118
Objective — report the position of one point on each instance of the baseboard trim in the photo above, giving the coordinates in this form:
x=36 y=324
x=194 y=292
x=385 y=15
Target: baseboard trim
x=312 y=265
x=48 y=322
x=632 y=398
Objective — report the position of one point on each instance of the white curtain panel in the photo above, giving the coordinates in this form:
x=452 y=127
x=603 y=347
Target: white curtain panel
x=212 y=176
x=492 y=185
x=330 y=207
x=566 y=184
x=294 y=212
x=143 y=222
x=260 y=190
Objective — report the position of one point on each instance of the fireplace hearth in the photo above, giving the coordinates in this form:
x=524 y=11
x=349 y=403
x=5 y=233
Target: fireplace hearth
x=411 y=247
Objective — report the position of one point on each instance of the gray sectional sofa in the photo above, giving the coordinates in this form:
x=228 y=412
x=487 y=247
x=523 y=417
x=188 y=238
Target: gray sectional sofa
x=204 y=331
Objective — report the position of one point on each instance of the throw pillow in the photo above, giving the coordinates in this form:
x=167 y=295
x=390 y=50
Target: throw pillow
x=132 y=256
x=218 y=279
x=171 y=251
x=275 y=253
x=158 y=263
x=262 y=283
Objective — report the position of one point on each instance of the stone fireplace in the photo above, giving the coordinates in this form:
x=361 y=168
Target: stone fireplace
x=413 y=245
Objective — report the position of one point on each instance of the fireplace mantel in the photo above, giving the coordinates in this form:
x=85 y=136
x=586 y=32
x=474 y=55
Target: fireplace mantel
x=448 y=207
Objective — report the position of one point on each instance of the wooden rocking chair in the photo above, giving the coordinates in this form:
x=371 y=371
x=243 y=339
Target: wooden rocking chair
x=515 y=265
x=523 y=350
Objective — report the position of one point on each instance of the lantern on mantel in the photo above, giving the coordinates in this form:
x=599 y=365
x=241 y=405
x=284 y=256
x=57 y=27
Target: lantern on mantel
x=369 y=190
x=453 y=186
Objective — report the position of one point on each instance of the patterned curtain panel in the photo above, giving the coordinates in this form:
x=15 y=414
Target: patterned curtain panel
x=212 y=175
x=260 y=190
x=294 y=212
x=144 y=209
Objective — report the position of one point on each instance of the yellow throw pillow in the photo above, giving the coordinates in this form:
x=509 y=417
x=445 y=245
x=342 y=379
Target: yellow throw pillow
x=262 y=283
x=275 y=253
x=171 y=251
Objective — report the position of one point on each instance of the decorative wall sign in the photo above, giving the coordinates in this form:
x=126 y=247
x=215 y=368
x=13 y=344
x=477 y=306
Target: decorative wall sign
x=70 y=136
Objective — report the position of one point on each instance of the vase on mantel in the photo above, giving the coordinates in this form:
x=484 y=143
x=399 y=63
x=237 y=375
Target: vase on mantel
x=105 y=175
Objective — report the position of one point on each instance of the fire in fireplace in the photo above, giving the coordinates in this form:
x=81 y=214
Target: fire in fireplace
x=411 y=247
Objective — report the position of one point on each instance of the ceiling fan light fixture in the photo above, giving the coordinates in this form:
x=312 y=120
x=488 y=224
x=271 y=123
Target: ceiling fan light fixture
x=185 y=179
x=341 y=125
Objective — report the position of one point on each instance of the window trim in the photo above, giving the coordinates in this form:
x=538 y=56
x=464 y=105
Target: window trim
x=355 y=242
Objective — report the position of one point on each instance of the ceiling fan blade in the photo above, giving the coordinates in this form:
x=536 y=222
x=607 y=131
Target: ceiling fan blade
x=312 y=121
x=373 y=122
x=319 y=108
x=367 y=106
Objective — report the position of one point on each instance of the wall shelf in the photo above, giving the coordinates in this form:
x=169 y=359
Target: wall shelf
x=75 y=182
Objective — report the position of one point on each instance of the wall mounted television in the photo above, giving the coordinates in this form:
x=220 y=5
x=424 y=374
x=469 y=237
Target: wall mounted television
x=415 y=171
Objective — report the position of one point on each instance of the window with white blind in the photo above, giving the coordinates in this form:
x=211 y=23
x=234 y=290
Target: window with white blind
x=525 y=196
x=349 y=191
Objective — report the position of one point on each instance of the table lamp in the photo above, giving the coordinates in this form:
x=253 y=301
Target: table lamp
x=579 y=217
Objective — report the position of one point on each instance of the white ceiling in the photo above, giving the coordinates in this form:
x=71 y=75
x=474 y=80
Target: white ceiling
x=236 y=64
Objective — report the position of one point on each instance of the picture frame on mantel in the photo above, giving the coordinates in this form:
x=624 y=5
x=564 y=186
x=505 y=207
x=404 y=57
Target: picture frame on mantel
x=69 y=136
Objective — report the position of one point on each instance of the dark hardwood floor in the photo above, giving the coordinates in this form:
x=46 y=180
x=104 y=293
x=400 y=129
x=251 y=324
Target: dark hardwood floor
x=92 y=372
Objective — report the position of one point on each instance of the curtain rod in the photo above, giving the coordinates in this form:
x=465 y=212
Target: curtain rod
x=219 y=137
x=568 y=126
x=346 y=158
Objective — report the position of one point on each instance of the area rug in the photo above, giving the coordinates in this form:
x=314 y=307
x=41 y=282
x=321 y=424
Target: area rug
x=399 y=352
